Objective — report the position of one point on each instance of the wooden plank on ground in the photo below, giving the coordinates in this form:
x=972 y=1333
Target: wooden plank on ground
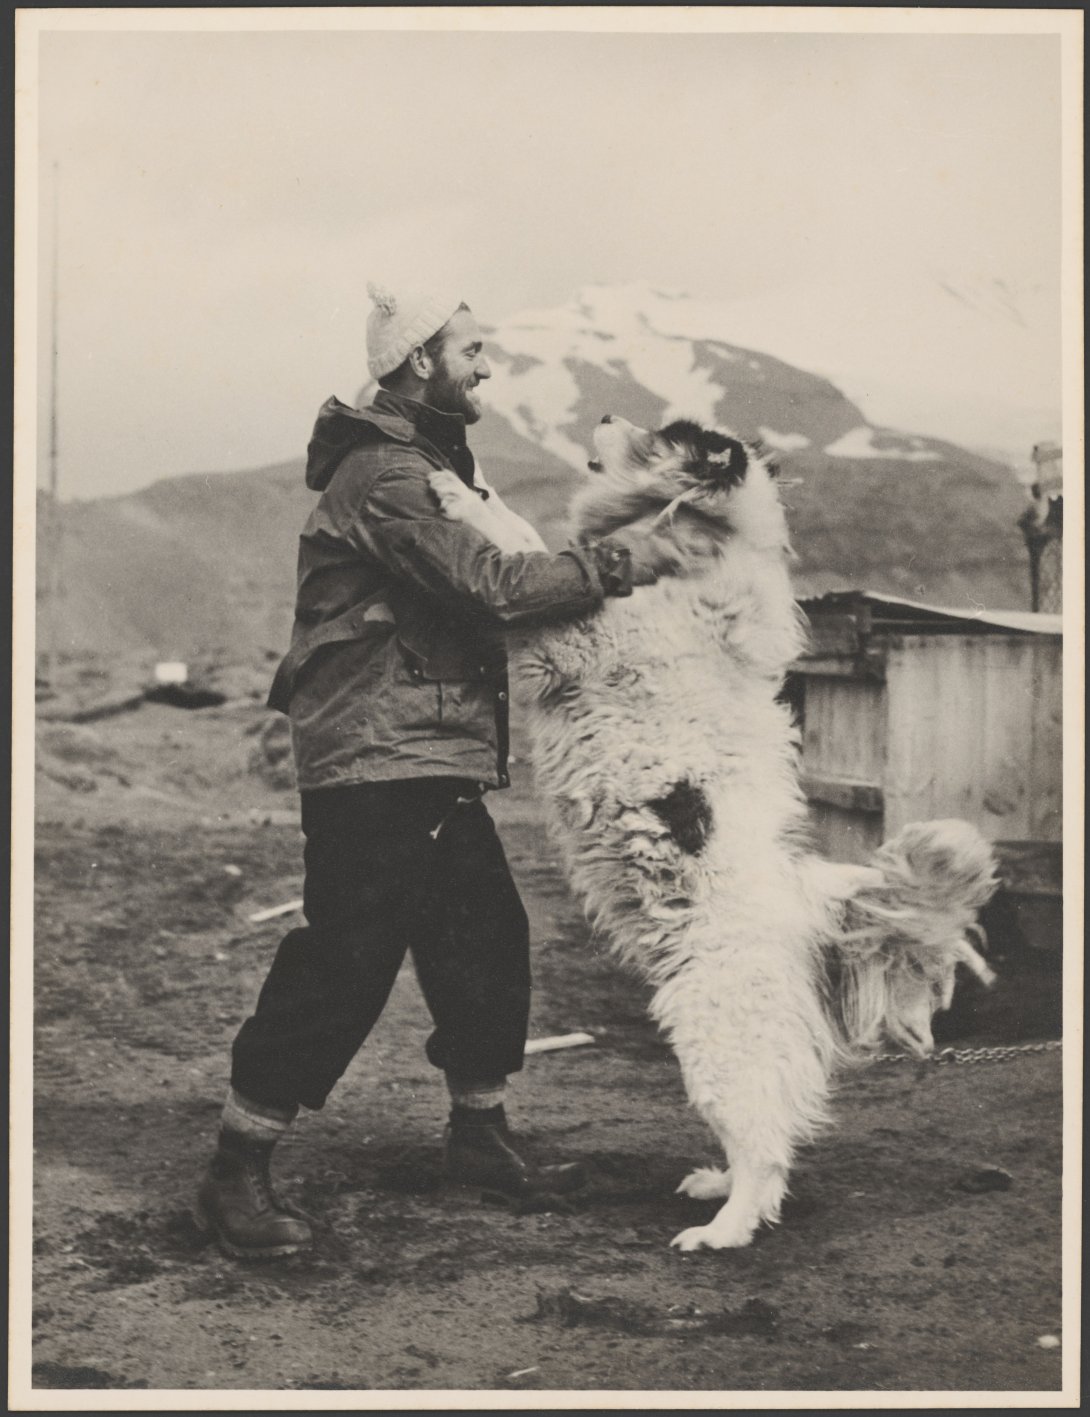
x=557 y=1042
x=91 y=712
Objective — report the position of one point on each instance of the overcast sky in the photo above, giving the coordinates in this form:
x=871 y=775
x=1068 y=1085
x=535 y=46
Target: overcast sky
x=226 y=197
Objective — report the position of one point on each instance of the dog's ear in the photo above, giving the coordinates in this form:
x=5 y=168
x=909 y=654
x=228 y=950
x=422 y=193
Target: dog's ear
x=724 y=462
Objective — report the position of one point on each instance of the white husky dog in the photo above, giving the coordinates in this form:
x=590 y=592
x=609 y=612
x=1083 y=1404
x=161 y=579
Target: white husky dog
x=669 y=769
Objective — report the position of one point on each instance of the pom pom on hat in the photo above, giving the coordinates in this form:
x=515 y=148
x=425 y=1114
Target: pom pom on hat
x=384 y=299
x=400 y=322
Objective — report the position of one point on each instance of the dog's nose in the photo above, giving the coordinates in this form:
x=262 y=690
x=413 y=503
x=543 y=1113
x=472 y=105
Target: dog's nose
x=608 y=418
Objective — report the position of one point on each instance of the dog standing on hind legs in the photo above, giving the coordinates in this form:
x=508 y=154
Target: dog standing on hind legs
x=669 y=771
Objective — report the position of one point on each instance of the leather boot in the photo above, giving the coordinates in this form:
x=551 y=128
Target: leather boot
x=480 y=1152
x=236 y=1203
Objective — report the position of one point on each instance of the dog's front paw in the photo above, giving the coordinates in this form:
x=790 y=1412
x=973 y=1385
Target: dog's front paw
x=706 y=1183
x=449 y=491
x=707 y=1237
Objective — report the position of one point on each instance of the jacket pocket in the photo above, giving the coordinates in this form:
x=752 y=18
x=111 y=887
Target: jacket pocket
x=466 y=708
x=420 y=693
x=438 y=660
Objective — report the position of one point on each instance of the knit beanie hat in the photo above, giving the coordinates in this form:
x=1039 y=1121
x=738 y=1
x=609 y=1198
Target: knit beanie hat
x=399 y=323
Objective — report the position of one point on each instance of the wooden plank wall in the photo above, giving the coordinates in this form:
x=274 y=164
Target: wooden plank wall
x=844 y=747
x=1045 y=766
x=974 y=732
x=844 y=734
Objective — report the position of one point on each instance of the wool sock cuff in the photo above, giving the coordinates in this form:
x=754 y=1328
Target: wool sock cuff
x=467 y=1118
x=255 y=1120
x=476 y=1095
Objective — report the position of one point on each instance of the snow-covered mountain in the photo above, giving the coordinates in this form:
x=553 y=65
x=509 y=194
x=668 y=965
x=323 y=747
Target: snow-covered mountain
x=878 y=505
x=665 y=356
x=969 y=362
x=202 y=563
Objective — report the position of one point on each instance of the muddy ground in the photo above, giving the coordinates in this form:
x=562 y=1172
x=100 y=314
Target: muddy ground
x=895 y=1267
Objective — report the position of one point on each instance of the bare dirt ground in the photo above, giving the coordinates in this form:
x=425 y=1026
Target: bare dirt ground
x=893 y=1268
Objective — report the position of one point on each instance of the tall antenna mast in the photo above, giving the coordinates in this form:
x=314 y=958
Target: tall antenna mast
x=54 y=581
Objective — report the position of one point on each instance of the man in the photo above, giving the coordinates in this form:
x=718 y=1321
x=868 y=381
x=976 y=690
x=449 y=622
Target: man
x=396 y=689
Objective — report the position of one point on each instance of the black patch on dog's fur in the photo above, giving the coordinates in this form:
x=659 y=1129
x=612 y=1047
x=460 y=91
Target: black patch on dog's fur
x=682 y=432
x=687 y=815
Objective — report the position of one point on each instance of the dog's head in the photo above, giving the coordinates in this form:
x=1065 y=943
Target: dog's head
x=702 y=484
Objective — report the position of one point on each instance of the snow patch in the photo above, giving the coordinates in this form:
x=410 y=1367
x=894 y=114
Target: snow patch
x=858 y=442
x=782 y=442
x=720 y=350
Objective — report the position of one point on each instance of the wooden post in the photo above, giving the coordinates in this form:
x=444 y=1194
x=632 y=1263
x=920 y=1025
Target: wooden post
x=55 y=526
x=1042 y=525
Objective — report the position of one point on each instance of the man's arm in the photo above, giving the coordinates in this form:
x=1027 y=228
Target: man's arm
x=402 y=526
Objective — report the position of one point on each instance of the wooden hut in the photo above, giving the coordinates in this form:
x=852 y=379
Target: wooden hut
x=911 y=712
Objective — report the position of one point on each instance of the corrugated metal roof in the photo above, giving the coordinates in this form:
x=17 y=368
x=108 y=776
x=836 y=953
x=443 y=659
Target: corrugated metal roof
x=1024 y=621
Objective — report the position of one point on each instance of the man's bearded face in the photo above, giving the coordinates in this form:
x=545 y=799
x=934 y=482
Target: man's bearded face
x=459 y=368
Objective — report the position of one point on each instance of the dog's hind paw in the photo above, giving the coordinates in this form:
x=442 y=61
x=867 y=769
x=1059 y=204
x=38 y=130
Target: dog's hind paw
x=708 y=1237
x=706 y=1183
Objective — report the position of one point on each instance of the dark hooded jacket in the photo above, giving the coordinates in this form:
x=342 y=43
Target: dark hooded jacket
x=421 y=689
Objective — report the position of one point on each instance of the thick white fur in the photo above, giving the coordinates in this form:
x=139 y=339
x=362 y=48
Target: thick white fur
x=677 y=684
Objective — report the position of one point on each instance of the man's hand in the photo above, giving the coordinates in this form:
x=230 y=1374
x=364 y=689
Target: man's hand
x=649 y=553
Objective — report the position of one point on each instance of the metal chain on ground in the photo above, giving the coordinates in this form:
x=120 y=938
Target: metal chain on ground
x=973 y=1055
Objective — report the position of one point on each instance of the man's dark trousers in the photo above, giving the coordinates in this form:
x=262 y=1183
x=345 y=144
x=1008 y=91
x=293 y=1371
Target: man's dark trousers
x=390 y=867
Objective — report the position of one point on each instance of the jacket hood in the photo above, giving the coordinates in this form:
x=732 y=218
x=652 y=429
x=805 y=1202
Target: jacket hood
x=339 y=429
